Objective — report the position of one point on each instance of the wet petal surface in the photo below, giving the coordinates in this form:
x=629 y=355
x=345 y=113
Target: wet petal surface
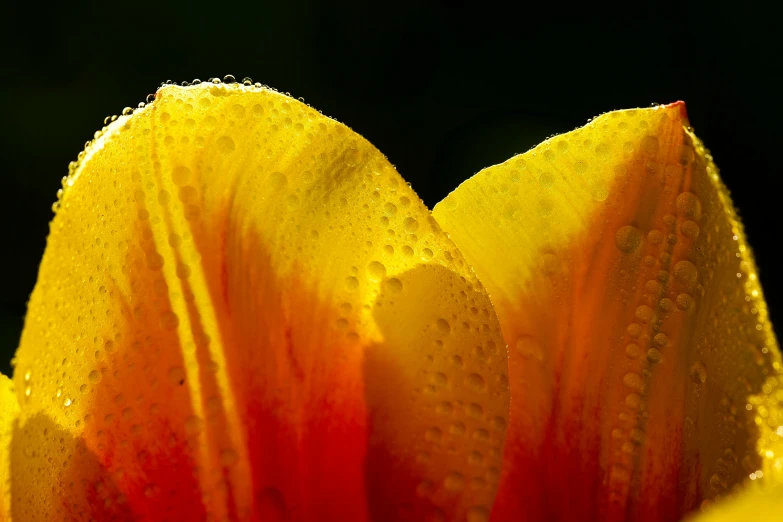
x=244 y=313
x=9 y=410
x=635 y=321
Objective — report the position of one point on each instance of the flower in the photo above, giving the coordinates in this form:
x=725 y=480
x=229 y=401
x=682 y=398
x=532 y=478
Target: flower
x=244 y=313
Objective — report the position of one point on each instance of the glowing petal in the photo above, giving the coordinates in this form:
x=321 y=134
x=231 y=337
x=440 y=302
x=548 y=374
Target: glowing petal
x=756 y=504
x=244 y=312
x=633 y=314
x=762 y=500
x=9 y=410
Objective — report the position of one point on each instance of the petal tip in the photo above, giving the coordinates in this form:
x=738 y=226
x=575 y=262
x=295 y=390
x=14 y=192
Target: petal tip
x=679 y=104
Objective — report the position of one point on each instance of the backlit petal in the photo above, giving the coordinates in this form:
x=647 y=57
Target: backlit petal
x=9 y=410
x=762 y=499
x=633 y=314
x=754 y=504
x=244 y=313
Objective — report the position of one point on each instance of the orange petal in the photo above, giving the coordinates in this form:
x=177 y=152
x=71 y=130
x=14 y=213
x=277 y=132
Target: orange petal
x=633 y=314
x=9 y=410
x=244 y=313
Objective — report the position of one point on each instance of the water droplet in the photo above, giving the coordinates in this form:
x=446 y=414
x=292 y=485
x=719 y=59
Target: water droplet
x=181 y=175
x=95 y=376
x=688 y=205
x=376 y=270
x=411 y=225
x=634 y=330
x=698 y=373
x=685 y=272
x=685 y=302
x=477 y=514
x=661 y=340
x=444 y=408
x=644 y=313
x=425 y=488
x=475 y=410
x=454 y=481
x=228 y=457
x=443 y=326
x=169 y=320
x=225 y=144
x=394 y=285
x=270 y=505
x=666 y=304
x=628 y=239
x=689 y=229
x=634 y=381
x=653 y=355
x=476 y=382
x=193 y=425
x=177 y=375
x=655 y=237
x=439 y=378
x=650 y=146
x=528 y=347
x=633 y=351
x=351 y=283
x=433 y=434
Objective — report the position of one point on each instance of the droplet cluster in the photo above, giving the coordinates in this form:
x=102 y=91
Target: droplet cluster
x=217 y=231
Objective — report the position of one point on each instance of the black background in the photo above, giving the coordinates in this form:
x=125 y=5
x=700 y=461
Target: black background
x=442 y=88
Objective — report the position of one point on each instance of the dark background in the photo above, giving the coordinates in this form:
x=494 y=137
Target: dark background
x=442 y=88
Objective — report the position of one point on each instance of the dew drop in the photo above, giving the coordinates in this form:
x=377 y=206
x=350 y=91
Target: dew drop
x=685 y=272
x=433 y=434
x=661 y=340
x=627 y=239
x=634 y=381
x=685 y=302
x=689 y=229
x=650 y=145
x=376 y=270
x=454 y=481
x=181 y=175
x=411 y=225
x=688 y=205
x=529 y=348
x=644 y=313
x=228 y=457
x=655 y=237
x=477 y=514
x=698 y=373
x=443 y=326
x=351 y=283
x=476 y=382
x=653 y=355
x=394 y=285
x=225 y=144
x=633 y=351
x=270 y=505
x=177 y=375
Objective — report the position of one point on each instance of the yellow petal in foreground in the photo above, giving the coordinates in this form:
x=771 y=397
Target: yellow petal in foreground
x=635 y=321
x=762 y=501
x=244 y=313
x=9 y=410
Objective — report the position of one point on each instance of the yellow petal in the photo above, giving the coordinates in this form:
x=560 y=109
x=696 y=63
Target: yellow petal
x=633 y=314
x=244 y=312
x=756 y=504
x=762 y=499
x=9 y=410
